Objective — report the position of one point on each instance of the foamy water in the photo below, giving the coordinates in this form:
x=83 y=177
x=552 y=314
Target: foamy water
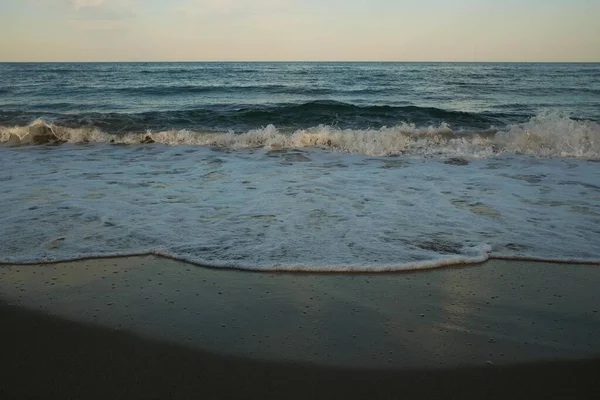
x=547 y=134
x=279 y=208
x=300 y=166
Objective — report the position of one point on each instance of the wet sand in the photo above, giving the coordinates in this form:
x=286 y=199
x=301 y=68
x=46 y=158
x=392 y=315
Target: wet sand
x=147 y=327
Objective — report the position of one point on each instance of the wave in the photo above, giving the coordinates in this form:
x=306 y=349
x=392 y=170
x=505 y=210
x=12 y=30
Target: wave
x=548 y=135
x=242 y=117
x=239 y=89
x=192 y=89
x=220 y=89
x=474 y=255
x=474 y=258
x=170 y=71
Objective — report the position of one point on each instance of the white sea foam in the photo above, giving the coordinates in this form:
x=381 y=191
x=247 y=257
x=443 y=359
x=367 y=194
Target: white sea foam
x=309 y=210
x=552 y=134
x=548 y=134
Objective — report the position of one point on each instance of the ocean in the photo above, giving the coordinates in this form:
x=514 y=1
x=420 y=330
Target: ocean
x=300 y=166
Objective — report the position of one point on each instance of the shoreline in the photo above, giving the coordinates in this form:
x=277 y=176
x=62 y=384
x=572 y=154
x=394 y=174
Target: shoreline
x=442 y=263
x=501 y=328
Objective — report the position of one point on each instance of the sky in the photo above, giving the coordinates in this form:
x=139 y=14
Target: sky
x=300 y=30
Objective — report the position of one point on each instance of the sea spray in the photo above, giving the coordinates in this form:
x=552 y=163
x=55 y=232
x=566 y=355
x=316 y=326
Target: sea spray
x=548 y=134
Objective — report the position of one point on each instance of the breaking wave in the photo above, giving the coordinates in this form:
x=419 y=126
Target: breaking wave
x=547 y=135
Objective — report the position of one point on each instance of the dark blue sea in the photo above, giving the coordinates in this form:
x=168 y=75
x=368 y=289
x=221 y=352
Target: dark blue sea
x=300 y=166
x=220 y=97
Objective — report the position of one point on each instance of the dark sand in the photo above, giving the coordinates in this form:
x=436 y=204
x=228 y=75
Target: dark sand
x=145 y=327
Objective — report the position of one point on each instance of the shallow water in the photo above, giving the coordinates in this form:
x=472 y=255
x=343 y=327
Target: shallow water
x=301 y=166
x=288 y=210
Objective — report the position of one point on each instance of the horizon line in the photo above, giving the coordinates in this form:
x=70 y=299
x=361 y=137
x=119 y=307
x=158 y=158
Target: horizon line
x=300 y=61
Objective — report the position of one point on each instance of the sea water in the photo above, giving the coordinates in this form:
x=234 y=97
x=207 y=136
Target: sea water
x=301 y=166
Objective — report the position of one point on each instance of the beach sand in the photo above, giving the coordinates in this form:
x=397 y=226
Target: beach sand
x=149 y=327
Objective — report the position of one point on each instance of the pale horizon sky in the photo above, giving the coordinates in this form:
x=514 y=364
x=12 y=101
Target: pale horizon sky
x=300 y=30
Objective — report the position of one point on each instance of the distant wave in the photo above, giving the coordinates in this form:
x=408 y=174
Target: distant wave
x=161 y=71
x=237 y=89
x=549 y=134
x=243 y=117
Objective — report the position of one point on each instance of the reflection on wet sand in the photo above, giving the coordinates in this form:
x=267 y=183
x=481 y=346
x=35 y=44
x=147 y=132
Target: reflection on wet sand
x=499 y=312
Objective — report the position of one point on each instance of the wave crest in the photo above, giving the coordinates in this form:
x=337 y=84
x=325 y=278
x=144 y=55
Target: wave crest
x=552 y=134
x=547 y=134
